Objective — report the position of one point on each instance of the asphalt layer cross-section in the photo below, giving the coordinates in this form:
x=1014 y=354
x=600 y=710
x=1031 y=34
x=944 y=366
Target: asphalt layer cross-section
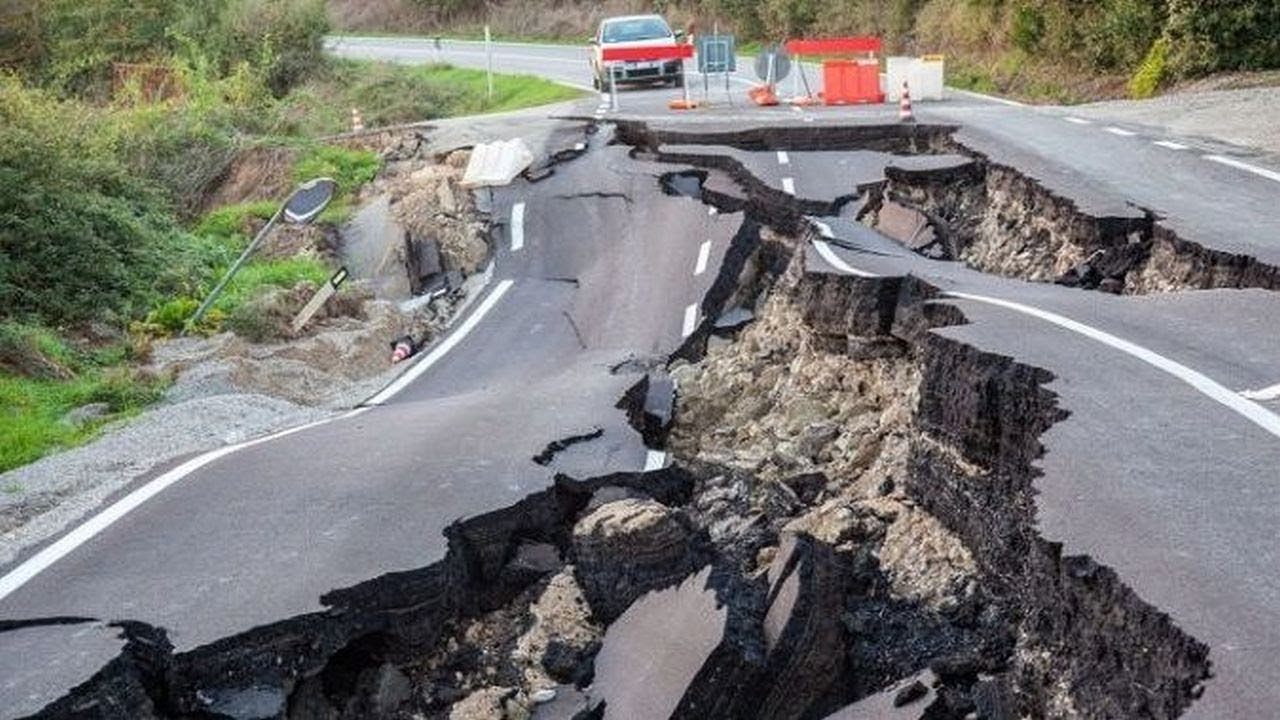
x=1149 y=475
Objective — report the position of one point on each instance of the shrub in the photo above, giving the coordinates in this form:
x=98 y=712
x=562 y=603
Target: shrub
x=1027 y=28
x=1151 y=74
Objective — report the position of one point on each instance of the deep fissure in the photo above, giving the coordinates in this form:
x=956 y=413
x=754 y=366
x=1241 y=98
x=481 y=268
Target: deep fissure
x=851 y=495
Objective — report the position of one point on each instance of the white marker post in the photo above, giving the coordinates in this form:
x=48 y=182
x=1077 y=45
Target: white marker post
x=488 y=54
x=318 y=300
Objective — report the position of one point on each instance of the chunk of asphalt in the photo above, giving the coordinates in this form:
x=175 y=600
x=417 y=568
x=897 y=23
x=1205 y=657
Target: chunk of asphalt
x=659 y=403
x=554 y=447
x=254 y=703
x=886 y=705
x=733 y=320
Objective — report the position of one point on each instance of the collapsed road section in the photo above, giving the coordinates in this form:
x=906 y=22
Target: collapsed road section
x=847 y=529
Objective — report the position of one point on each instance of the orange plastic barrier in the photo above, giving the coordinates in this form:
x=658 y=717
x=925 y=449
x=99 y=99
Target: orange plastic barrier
x=851 y=82
x=835 y=46
x=665 y=52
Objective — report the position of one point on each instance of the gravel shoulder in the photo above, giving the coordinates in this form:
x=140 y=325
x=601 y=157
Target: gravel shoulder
x=1243 y=117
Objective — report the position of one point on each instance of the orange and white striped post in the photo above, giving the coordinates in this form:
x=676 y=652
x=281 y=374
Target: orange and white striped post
x=357 y=122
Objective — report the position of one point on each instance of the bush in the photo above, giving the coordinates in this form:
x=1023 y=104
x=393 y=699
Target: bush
x=1028 y=28
x=284 y=37
x=1116 y=40
x=1151 y=74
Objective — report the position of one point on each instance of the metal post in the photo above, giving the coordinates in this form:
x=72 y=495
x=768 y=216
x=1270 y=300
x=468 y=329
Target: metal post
x=488 y=52
x=235 y=267
x=613 y=87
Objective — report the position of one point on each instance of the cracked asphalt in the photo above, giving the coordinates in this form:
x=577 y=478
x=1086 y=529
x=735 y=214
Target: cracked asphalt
x=1150 y=475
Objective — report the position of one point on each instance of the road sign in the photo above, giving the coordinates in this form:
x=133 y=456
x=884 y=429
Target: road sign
x=773 y=64
x=318 y=300
x=717 y=53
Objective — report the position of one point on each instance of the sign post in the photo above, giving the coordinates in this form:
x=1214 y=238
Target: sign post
x=318 y=300
x=488 y=54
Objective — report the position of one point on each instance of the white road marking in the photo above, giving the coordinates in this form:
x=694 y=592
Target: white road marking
x=1263 y=172
x=1078 y=121
x=517 y=226
x=41 y=561
x=1246 y=408
x=1271 y=393
x=789 y=185
x=704 y=254
x=1170 y=145
x=989 y=98
x=1120 y=131
x=654 y=460
x=443 y=348
x=783 y=159
x=690 y=320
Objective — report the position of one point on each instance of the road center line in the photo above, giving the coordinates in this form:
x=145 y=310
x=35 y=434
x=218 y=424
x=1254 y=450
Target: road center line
x=1077 y=121
x=517 y=226
x=1271 y=393
x=1170 y=145
x=783 y=159
x=704 y=254
x=1232 y=162
x=654 y=460
x=1246 y=408
x=1120 y=131
x=789 y=185
x=690 y=320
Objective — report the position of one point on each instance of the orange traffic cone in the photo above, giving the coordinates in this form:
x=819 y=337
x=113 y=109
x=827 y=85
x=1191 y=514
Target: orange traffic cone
x=904 y=105
x=357 y=123
x=763 y=95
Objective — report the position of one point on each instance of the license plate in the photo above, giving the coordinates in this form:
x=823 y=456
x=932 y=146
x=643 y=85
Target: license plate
x=644 y=66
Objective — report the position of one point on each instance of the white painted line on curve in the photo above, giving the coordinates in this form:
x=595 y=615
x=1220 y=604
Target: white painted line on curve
x=1246 y=408
x=989 y=98
x=1078 y=121
x=1232 y=162
x=704 y=254
x=654 y=460
x=789 y=185
x=443 y=348
x=783 y=158
x=690 y=320
x=1270 y=393
x=41 y=561
x=1170 y=145
x=517 y=226
x=1120 y=131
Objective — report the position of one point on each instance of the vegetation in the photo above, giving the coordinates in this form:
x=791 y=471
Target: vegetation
x=117 y=119
x=1060 y=50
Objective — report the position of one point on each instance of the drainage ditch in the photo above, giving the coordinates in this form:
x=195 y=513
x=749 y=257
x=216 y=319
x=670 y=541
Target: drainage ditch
x=849 y=514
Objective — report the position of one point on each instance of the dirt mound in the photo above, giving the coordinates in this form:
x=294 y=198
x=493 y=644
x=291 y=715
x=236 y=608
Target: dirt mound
x=256 y=173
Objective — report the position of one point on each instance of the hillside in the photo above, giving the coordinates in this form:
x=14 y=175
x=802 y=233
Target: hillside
x=1050 y=50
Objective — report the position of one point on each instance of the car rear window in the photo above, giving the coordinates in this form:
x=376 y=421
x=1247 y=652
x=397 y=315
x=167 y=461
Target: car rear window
x=636 y=29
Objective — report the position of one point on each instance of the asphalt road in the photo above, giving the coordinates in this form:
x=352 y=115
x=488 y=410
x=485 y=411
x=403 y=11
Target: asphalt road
x=1155 y=474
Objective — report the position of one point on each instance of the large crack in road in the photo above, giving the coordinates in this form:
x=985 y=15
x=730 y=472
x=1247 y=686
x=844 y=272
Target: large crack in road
x=846 y=529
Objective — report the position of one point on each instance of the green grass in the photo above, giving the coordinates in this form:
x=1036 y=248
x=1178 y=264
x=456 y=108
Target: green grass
x=257 y=276
x=390 y=94
x=348 y=168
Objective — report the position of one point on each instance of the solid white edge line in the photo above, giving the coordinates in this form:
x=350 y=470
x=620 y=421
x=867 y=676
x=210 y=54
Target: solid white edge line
x=789 y=185
x=829 y=255
x=443 y=348
x=1270 y=393
x=41 y=561
x=1120 y=131
x=1232 y=162
x=86 y=531
x=654 y=460
x=783 y=158
x=989 y=98
x=690 y=320
x=704 y=254
x=1170 y=145
x=1078 y=121
x=517 y=226
x=1246 y=408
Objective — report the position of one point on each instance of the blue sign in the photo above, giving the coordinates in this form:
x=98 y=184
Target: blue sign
x=716 y=53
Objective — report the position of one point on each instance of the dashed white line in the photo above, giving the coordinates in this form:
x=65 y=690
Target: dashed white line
x=789 y=185
x=704 y=254
x=690 y=320
x=783 y=158
x=517 y=226
x=1078 y=121
x=1169 y=144
x=1120 y=131
x=1245 y=407
x=1263 y=395
x=654 y=460
x=1232 y=162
